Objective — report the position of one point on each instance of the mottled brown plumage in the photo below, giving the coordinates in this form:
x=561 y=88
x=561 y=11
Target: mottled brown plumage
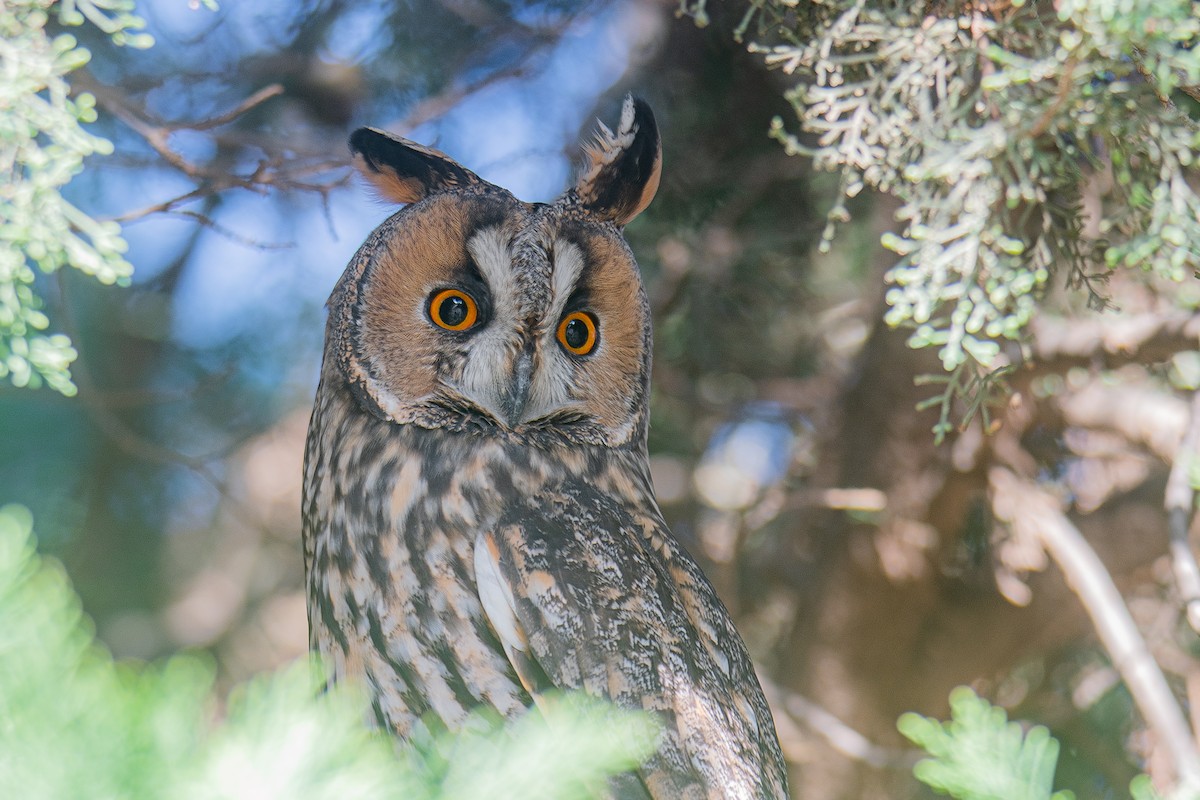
x=479 y=520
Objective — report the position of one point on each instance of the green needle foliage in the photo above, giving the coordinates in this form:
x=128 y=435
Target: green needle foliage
x=980 y=755
x=42 y=146
x=74 y=724
x=991 y=122
x=566 y=750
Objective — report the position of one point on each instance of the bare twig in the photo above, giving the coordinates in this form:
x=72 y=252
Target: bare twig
x=1179 y=498
x=259 y=97
x=155 y=208
x=438 y=105
x=279 y=171
x=231 y=235
x=1026 y=506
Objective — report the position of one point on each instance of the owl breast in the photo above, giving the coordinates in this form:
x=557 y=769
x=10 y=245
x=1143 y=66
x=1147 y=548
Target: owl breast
x=392 y=516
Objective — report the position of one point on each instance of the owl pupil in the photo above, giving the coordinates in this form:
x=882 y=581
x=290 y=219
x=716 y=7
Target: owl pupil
x=575 y=334
x=453 y=311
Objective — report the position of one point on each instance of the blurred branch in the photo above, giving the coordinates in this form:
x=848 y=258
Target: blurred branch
x=1179 y=502
x=791 y=709
x=439 y=104
x=208 y=189
x=135 y=444
x=261 y=96
x=155 y=208
x=1109 y=342
x=117 y=104
x=1024 y=505
x=478 y=14
x=1163 y=96
x=275 y=170
x=1065 y=80
x=840 y=498
x=221 y=230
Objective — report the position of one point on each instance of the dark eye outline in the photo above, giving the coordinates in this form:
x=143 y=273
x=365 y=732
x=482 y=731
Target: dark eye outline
x=593 y=336
x=439 y=297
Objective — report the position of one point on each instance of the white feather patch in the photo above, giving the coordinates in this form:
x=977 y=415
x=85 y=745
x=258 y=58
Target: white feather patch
x=492 y=349
x=496 y=596
x=568 y=265
x=489 y=248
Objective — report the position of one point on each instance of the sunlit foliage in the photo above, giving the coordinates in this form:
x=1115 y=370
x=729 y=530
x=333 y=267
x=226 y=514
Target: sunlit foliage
x=991 y=123
x=42 y=146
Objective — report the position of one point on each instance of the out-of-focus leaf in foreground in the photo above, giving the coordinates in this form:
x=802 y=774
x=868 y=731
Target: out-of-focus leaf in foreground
x=73 y=723
x=980 y=755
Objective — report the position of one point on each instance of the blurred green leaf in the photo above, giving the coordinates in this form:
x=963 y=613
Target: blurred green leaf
x=980 y=755
x=75 y=724
x=1142 y=789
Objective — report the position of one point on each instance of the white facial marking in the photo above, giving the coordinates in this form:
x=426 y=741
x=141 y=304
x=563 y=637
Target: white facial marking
x=568 y=264
x=493 y=346
x=489 y=248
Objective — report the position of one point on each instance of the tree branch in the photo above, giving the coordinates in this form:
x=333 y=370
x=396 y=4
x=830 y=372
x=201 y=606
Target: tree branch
x=792 y=710
x=274 y=170
x=1179 y=497
x=1022 y=504
x=1111 y=341
x=261 y=96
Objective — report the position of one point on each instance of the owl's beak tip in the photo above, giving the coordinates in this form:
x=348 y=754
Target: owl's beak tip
x=516 y=396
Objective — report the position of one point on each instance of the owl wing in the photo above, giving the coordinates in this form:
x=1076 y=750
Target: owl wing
x=582 y=596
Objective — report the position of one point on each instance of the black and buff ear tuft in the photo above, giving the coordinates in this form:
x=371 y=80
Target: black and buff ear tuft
x=622 y=170
x=403 y=171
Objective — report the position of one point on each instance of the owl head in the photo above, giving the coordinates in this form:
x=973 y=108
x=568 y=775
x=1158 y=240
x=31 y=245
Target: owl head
x=471 y=310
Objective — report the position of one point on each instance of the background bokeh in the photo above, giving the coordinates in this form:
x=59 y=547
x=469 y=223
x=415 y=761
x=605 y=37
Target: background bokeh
x=862 y=561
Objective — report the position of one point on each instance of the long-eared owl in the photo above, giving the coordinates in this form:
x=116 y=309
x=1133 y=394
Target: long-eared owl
x=479 y=520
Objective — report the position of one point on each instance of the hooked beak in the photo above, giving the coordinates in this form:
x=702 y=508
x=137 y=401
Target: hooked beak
x=516 y=395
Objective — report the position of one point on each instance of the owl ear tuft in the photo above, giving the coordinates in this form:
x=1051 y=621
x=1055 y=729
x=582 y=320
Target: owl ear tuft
x=622 y=170
x=403 y=171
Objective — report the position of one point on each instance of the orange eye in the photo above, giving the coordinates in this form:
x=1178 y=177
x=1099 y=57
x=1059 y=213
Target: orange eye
x=453 y=310
x=577 y=333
